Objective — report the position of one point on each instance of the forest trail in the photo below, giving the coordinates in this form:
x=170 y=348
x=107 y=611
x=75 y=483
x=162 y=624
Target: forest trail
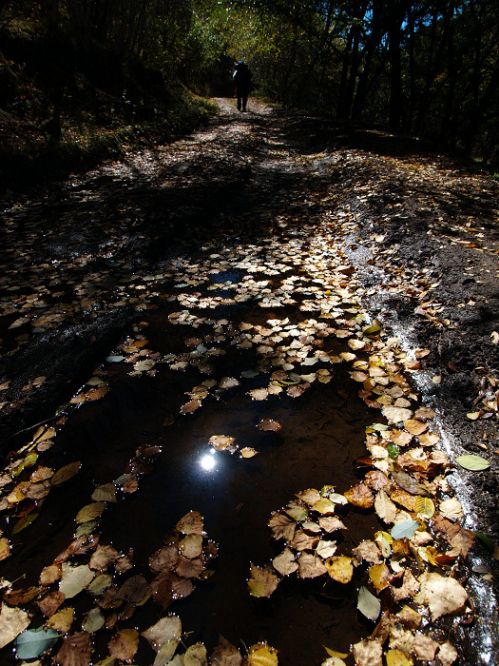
x=191 y=325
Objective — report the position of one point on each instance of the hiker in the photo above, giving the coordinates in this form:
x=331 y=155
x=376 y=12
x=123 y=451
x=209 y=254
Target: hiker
x=242 y=84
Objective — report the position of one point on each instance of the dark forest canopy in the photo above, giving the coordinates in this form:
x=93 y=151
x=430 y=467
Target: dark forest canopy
x=429 y=68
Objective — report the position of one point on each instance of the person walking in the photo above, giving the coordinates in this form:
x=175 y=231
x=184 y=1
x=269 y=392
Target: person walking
x=242 y=84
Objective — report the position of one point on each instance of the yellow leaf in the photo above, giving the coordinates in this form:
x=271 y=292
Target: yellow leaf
x=335 y=653
x=379 y=575
x=324 y=506
x=424 y=507
x=262 y=655
x=62 y=620
x=397 y=658
x=340 y=569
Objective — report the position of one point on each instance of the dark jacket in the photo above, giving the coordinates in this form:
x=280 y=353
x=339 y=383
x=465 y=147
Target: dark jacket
x=242 y=78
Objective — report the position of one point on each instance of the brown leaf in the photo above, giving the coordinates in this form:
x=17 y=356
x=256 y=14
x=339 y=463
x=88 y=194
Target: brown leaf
x=282 y=526
x=368 y=551
x=303 y=541
x=50 y=603
x=460 y=539
x=76 y=650
x=442 y=594
x=189 y=568
x=13 y=621
x=103 y=557
x=408 y=589
x=361 y=496
x=310 y=566
x=262 y=581
x=269 y=425
x=22 y=596
x=164 y=560
x=191 y=523
x=331 y=523
x=368 y=653
x=4 y=548
x=225 y=654
x=135 y=590
x=285 y=563
x=167 y=588
x=340 y=569
x=124 y=645
x=376 y=480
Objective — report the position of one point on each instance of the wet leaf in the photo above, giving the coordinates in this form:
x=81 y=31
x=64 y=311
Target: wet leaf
x=259 y=394
x=368 y=604
x=50 y=574
x=310 y=566
x=105 y=493
x=50 y=603
x=135 y=590
x=380 y=576
x=269 y=425
x=74 y=579
x=384 y=507
x=360 y=495
x=189 y=568
x=396 y=415
x=100 y=584
x=191 y=546
x=282 y=526
x=90 y=512
x=165 y=559
x=248 y=452
x=103 y=557
x=415 y=427
x=75 y=651
x=404 y=529
x=297 y=512
x=340 y=569
x=424 y=507
x=331 y=523
x=397 y=658
x=262 y=655
x=34 y=642
x=226 y=654
x=13 y=621
x=473 y=463
x=285 y=563
x=124 y=645
x=221 y=442
x=21 y=597
x=262 y=581
x=367 y=653
x=326 y=549
x=93 y=621
x=191 y=523
x=447 y=654
x=324 y=506
x=442 y=594
x=164 y=636
x=62 y=620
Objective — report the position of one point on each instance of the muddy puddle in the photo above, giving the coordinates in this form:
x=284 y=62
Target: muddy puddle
x=322 y=435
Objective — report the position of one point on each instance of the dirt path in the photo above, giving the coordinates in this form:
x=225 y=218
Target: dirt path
x=192 y=326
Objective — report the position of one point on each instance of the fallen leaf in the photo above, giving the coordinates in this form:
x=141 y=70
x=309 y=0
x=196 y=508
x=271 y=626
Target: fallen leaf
x=473 y=463
x=282 y=526
x=424 y=507
x=50 y=574
x=124 y=644
x=331 y=523
x=62 y=620
x=269 y=425
x=191 y=523
x=13 y=621
x=408 y=589
x=360 y=495
x=135 y=590
x=451 y=509
x=164 y=636
x=50 y=603
x=247 y=452
x=191 y=546
x=326 y=549
x=368 y=604
x=447 y=654
x=93 y=621
x=105 y=493
x=310 y=566
x=20 y=597
x=380 y=576
x=103 y=557
x=34 y=642
x=415 y=427
x=397 y=658
x=367 y=550
x=368 y=653
x=384 y=507
x=285 y=563
x=74 y=579
x=262 y=655
x=259 y=394
x=443 y=595
x=262 y=582
x=340 y=569
x=226 y=654
x=90 y=512
x=221 y=442
x=164 y=559
x=396 y=415
x=75 y=651
x=404 y=529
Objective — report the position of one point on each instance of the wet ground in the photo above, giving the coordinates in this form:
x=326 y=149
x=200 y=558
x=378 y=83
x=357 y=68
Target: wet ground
x=203 y=268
